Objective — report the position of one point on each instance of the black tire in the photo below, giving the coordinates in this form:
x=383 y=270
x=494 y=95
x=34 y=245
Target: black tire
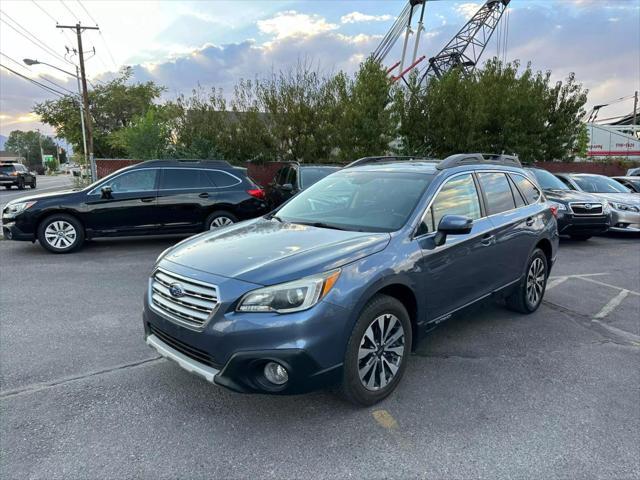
x=353 y=388
x=33 y=183
x=59 y=222
x=221 y=217
x=8 y=187
x=21 y=184
x=521 y=299
x=580 y=238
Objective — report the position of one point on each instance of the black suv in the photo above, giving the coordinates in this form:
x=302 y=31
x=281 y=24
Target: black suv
x=580 y=215
x=292 y=178
x=16 y=175
x=155 y=197
x=339 y=284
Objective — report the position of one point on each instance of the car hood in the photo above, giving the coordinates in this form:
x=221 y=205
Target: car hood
x=628 y=198
x=45 y=196
x=570 y=196
x=267 y=252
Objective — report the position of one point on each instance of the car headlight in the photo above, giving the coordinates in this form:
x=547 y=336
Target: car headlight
x=14 y=209
x=606 y=207
x=623 y=207
x=291 y=296
x=560 y=206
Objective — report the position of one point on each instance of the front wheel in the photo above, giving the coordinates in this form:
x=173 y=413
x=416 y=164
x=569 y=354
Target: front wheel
x=21 y=184
x=33 y=183
x=377 y=351
x=528 y=296
x=61 y=233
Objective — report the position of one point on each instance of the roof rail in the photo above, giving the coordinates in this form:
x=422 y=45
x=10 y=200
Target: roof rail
x=387 y=159
x=479 y=159
x=220 y=163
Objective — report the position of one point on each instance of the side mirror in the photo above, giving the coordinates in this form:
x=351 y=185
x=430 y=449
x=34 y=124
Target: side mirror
x=452 y=225
x=106 y=191
x=287 y=187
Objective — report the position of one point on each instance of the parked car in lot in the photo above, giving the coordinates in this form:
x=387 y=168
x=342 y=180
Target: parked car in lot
x=625 y=206
x=632 y=183
x=633 y=172
x=293 y=178
x=339 y=284
x=155 y=197
x=16 y=175
x=580 y=215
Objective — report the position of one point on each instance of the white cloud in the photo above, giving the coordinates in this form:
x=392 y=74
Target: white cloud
x=467 y=10
x=357 y=17
x=294 y=24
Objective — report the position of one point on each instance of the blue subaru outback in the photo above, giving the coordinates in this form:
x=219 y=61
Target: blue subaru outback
x=338 y=284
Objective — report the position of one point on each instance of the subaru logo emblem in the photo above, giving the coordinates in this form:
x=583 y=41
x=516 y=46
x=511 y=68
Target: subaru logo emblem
x=176 y=290
x=587 y=206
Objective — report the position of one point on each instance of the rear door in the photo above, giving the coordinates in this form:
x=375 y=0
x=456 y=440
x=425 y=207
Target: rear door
x=131 y=208
x=184 y=197
x=516 y=224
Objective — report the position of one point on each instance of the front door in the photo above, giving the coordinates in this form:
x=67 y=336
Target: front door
x=130 y=209
x=454 y=274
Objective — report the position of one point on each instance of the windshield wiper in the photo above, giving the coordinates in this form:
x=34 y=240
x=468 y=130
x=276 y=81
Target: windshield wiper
x=273 y=216
x=321 y=225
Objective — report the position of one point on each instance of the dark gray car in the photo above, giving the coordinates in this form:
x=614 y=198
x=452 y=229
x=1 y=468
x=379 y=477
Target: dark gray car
x=339 y=284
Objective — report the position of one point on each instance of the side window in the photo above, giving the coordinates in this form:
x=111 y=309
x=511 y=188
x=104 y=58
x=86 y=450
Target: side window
x=182 y=178
x=528 y=189
x=136 y=181
x=517 y=196
x=458 y=197
x=221 y=179
x=291 y=178
x=281 y=177
x=497 y=191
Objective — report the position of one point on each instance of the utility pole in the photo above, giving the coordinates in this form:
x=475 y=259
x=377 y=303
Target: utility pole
x=635 y=109
x=41 y=151
x=85 y=93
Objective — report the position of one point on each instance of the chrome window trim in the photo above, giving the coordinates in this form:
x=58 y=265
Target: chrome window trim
x=239 y=180
x=471 y=172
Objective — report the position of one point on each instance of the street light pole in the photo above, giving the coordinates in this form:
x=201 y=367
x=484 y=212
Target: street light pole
x=30 y=62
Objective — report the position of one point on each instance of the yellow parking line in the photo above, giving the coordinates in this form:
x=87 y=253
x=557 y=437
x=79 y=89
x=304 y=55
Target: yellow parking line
x=385 y=419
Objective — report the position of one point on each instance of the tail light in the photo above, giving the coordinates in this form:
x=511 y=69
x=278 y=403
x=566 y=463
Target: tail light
x=256 y=193
x=554 y=210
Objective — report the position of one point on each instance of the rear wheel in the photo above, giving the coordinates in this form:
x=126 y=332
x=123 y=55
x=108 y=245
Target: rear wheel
x=580 y=238
x=220 y=219
x=61 y=233
x=528 y=296
x=376 y=355
x=33 y=183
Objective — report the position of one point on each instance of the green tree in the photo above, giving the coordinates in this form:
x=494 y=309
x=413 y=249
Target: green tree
x=147 y=137
x=113 y=106
x=497 y=109
x=27 y=144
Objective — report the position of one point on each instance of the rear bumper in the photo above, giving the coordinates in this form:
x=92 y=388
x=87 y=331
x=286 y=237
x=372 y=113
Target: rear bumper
x=4 y=181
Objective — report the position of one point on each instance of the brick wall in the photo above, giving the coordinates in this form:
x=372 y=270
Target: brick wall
x=106 y=166
x=611 y=169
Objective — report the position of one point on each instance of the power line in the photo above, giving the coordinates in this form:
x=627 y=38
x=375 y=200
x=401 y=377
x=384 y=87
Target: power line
x=69 y=10
x=43 y=78
x=104 y=42
x=42 y=9
x=31 y=37
x=41 y=85
x=87 y=12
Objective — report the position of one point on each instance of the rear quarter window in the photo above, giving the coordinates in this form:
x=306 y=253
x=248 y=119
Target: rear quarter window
x=528 y=189
x=222 y=179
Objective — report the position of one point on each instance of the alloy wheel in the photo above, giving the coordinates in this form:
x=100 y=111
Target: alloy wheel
x=220 y=222
x=535 y=281
x=381 y=352
x=60 y=234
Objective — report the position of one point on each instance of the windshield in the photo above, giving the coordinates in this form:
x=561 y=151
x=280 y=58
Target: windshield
x=357 y=200
x=548 y=181
x=311 y=175
x=599 y=184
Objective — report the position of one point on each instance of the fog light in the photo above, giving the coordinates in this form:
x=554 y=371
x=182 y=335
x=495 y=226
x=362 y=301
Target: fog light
x=276 y=373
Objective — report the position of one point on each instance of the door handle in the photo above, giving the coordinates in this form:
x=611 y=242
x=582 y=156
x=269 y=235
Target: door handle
x=530 y=221
x=204 y=195
x=147 y=199
x=487 y=240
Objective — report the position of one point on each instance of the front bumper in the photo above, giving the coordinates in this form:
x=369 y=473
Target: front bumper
x=570 y=224
x=4 y=181
x=624 y=221
x=10 y=231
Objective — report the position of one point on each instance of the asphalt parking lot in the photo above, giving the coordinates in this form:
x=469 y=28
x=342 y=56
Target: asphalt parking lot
x=489 y=394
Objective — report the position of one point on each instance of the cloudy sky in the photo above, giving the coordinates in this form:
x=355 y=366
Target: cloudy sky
x=181 y=44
